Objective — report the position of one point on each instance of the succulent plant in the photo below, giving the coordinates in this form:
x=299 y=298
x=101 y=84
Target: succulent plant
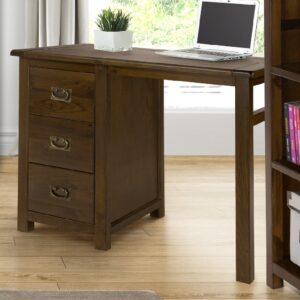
x=113 y=20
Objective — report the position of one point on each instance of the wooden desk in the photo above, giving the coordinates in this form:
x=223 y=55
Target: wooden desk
x=139 y=74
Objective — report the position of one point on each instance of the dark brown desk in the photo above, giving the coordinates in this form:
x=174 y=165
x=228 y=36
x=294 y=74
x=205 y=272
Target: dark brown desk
x=143 y=73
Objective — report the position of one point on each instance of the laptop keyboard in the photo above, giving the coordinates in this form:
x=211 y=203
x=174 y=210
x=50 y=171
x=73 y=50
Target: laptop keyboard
x=198 y=51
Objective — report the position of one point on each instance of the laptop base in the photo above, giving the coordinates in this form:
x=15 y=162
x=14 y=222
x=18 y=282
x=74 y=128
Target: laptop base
x=203 y=56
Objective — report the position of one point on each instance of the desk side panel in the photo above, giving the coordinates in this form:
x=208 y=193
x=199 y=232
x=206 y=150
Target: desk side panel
x=134 y=134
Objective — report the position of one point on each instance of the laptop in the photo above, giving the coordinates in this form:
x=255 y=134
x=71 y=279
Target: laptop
x=226 y=30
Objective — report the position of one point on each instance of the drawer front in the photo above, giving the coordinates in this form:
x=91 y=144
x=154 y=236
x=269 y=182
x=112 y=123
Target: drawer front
x=61 y=193
x=62 y=94
x=61 y=143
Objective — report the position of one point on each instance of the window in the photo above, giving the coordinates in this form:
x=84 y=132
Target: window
x=171 y=24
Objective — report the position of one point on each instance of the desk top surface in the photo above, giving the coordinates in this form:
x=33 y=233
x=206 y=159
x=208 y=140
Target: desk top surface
x=139 y=57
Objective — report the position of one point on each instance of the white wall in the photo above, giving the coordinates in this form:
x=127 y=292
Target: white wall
x=202 y=122
x=12 y=21
x=203 y=133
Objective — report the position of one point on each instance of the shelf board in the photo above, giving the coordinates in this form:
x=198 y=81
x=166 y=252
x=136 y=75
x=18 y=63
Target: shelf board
x=290 y=24
x=289 y=71
x=288 y=271
x=287 y=168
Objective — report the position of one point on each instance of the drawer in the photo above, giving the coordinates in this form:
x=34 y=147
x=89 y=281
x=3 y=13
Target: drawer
x=62 y=94
x=61 y=193
x=61 y=143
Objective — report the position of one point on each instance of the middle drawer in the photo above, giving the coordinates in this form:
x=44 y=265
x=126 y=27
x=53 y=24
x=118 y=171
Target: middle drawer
x=61 y=143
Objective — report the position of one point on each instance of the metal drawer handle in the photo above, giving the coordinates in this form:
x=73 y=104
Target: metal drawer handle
x=59 y=192
x=60 y=143
x=61 y=94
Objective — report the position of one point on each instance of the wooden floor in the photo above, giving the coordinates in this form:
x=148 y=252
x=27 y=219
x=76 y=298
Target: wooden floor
x=189 y=254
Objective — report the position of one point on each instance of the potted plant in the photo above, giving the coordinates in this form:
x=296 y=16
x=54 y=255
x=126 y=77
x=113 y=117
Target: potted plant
x=113 y=34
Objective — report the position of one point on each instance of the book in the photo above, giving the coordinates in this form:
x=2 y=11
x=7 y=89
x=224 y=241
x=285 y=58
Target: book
x=292 y=133
x=287 y=137
x=296 y=128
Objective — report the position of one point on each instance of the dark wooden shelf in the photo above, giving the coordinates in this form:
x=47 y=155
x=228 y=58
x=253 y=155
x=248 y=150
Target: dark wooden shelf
x=290 y=24
x=289 y=71
x=287 y=168
x=288 y=271
x=282 y=41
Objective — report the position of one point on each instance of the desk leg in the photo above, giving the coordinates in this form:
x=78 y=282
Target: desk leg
x=23 y=224
x=159 y=213
x=102 y=115
x=244 y=180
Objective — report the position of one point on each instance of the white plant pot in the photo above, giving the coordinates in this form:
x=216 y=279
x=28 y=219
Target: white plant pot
x=113 y=41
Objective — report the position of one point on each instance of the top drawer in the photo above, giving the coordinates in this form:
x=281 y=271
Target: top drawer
x=62 y=94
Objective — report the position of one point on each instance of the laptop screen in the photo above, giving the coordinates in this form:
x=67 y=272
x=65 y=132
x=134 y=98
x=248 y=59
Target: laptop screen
x=226 y=24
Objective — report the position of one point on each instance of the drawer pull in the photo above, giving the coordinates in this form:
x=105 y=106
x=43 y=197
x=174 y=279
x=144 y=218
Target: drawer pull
x=59 y=192
x=60 y=143
x=61 y=94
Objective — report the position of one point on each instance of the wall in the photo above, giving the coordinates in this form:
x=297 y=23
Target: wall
x=205 y=134
x=202 y=122
x=12 y=20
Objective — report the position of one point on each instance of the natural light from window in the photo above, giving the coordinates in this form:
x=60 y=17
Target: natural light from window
x=171 y=24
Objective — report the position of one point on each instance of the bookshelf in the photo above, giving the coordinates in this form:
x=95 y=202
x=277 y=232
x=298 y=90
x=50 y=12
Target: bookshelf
x=282 y=77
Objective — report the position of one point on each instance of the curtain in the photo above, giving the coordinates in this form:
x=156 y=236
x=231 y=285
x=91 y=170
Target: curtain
x=56 y=22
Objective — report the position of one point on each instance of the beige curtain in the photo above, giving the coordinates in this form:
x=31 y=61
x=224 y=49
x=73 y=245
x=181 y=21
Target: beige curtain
x=56 y=22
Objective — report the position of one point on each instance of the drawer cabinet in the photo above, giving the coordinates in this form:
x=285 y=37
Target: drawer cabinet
x=91 y=145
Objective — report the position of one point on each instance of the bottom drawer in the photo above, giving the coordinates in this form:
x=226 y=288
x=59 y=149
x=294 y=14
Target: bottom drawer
x=61 y=193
